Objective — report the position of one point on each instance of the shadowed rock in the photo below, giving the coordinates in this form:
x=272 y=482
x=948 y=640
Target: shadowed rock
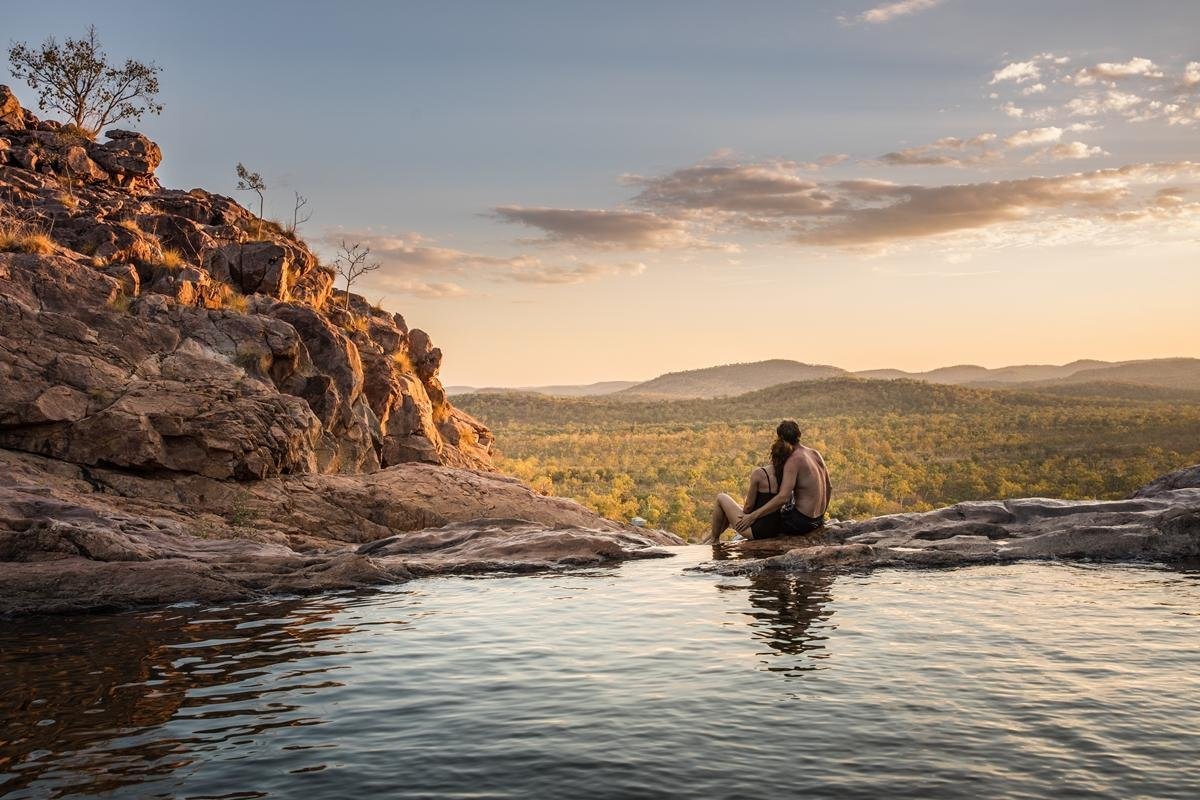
x=76 y=538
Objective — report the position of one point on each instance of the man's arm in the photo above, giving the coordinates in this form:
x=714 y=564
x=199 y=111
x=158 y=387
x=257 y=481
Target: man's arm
x=790 y=471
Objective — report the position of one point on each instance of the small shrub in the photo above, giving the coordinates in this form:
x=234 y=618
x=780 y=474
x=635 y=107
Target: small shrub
x=240 y=514
x=356 y=323
x=21 y=237
x=403 y=361
x=171 y=259
x=130 y=225
x=231 y=299
x=441 y=413
x=69 y=200
x=120 y=302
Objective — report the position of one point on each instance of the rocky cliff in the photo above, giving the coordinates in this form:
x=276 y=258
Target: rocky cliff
x=183 y=388
x=163 y=329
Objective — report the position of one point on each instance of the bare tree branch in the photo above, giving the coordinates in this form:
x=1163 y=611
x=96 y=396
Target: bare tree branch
x=351 y=263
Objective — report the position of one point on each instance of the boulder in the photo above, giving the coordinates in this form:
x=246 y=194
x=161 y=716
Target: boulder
x=277 y=268
x=127 y=154
x=12 y=116
x=81 y=167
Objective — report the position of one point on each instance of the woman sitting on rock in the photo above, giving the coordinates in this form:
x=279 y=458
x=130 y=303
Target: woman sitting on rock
x=787 y=499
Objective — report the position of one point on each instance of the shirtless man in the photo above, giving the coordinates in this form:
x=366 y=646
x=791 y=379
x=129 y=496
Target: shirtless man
x=788 y=499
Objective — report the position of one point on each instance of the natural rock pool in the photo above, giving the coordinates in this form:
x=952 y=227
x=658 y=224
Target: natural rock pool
x=643 y=680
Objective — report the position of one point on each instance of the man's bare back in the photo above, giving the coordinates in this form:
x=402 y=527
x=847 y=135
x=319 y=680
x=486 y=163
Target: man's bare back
x=811 y=491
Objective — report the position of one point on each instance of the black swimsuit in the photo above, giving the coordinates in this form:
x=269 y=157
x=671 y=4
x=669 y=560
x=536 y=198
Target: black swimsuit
x=787 y=521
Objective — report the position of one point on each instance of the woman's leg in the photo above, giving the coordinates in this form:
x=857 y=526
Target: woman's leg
x=725 y=512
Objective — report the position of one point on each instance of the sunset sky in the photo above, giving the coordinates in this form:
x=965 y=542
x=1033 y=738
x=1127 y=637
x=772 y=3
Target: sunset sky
x=569 y=192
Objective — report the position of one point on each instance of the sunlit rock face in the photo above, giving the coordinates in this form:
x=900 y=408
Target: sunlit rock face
x=190 y=411
x=1160 y=522
x=160 y=329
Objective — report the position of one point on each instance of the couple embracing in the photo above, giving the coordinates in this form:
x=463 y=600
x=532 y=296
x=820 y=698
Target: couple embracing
x=787 y=498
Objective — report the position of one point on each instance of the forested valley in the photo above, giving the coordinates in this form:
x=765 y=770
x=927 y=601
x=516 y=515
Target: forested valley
x=891 y=445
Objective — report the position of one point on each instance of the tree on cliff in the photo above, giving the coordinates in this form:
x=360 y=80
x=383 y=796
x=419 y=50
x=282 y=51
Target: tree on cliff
x=76 y=78
x=351 y=263
x=252 y=182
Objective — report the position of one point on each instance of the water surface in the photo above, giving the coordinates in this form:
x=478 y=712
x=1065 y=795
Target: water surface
x=1031 y=680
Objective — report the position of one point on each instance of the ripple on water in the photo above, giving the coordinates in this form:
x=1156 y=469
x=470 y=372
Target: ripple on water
x=1031 y=680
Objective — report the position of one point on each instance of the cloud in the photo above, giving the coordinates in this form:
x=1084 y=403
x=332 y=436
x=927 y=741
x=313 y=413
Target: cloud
x=766 y=189
x=415 y=265
x=1018 y=72
x=575 y=273
x=770 y=197
x=831 y=160
x=910 y=212
x=1034 y=136
x=1169 y=91
x=426 y=290
x=949 y=151
x=635 y=230
x=988 y=148
x=1112 y=101
x=1114 y=71
x=1066 y=151
x=889 y=11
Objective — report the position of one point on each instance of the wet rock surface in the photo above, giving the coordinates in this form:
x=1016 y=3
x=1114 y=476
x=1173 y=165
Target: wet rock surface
x=1160 y=522
x=77 y=538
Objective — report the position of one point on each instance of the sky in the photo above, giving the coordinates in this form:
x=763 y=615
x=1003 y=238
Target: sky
x=568 y=192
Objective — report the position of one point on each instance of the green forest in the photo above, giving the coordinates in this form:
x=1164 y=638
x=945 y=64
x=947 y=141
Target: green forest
x=890 y=445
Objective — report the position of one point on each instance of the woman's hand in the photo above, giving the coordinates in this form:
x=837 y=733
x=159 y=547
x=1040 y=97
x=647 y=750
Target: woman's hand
x=744 y=522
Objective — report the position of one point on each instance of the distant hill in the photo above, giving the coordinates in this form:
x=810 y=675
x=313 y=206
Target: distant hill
x=565 y=390
x=1172 y=373
x=799 y=399
x=729 y=380
x=1107 y=390
x=973 y=374
x=1099 y=378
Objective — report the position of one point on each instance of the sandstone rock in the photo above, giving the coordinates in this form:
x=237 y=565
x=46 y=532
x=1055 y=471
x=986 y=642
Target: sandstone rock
x=510 y=545
x=12 y=116
x=426 y=358
x=1160 y=523
x=77 y=538
x=1187 y=478
x=131 y=157
x=81 y=166
x=122 y=227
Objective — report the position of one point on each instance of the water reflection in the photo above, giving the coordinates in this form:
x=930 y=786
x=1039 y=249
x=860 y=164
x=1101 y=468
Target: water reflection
x=790 y=614
x=83 y=694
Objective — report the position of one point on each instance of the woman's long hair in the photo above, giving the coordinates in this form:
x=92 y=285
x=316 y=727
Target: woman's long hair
x=787 y=439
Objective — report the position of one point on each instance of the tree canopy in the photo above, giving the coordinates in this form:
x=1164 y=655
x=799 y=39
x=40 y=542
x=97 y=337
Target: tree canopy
x=77 y=79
